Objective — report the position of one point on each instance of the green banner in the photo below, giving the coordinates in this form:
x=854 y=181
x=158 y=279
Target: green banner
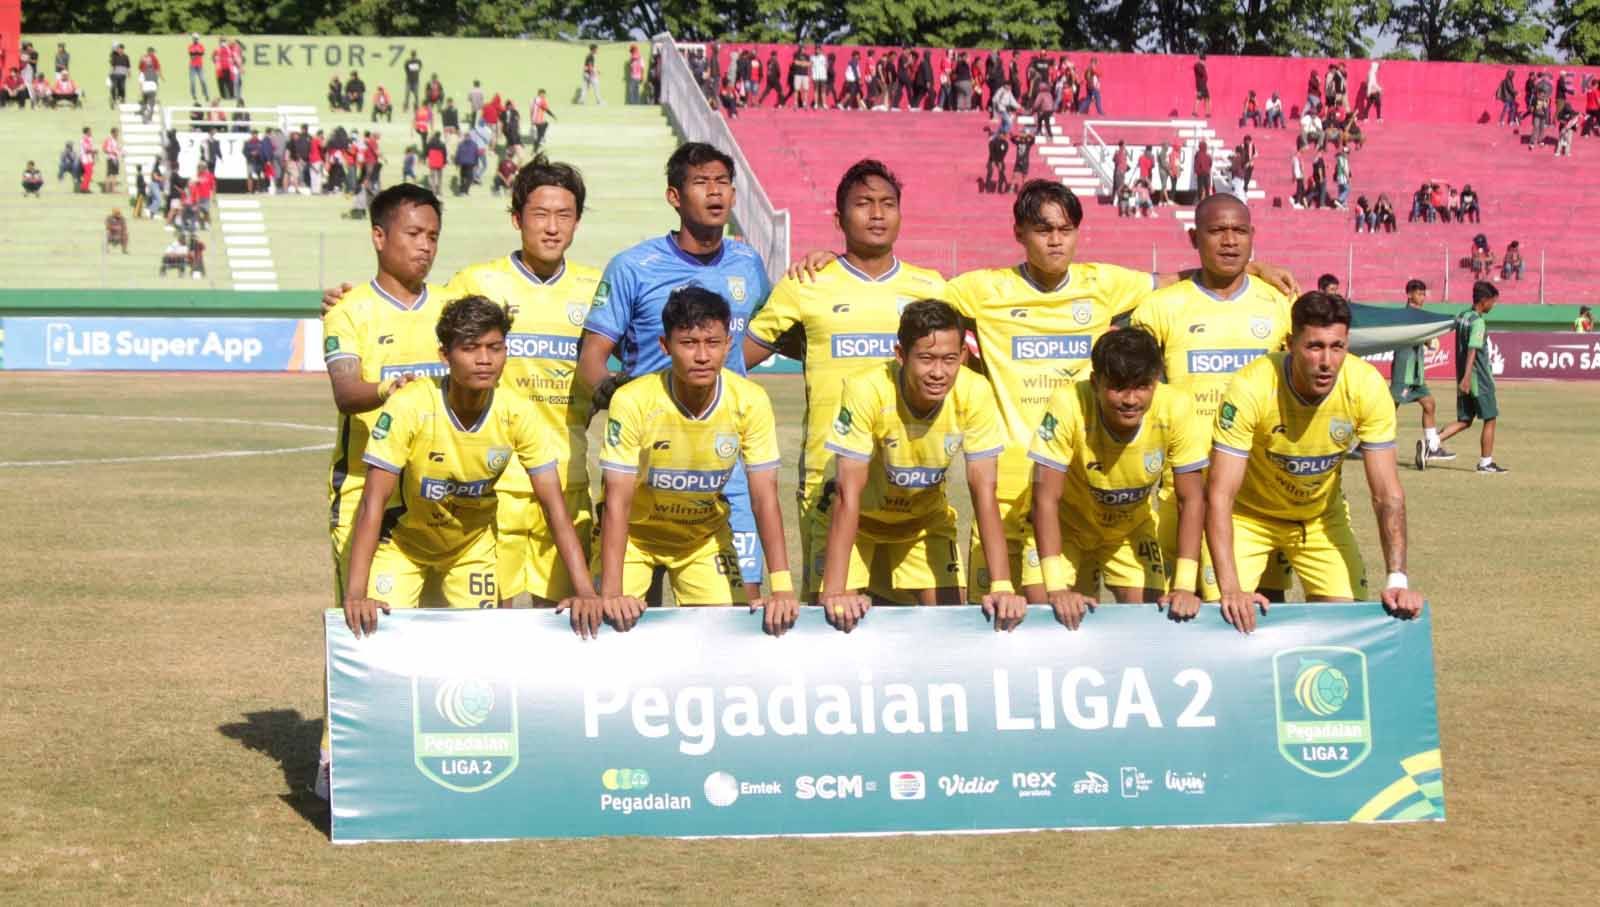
x=503 y=724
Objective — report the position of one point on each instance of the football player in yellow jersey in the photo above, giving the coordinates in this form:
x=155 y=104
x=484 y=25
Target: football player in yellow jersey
x=1282 y=431
x=1035 y=323
x=672 y=440
x=839 y=319
x=1100 y=451
x=548 y=297
x=443 y=447
x=1210 y=325
x=378 y=339
x=895 y=433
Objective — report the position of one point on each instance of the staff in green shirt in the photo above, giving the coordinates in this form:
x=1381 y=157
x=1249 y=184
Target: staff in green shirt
x=1408 y=382
x=1475 y=376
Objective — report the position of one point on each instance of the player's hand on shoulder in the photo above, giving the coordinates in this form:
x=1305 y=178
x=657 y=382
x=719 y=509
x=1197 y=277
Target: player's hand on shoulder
x=622 y=611
x=1006 y=609
x=1402 y=603
x=587 y=613
x=332 y=295
x=806 y=269
x=1239 y=609
x=361 y=614
x=1281 y=279
x=1070 y=607
x=779 y=612
x=1180 y=605
x=845 y=609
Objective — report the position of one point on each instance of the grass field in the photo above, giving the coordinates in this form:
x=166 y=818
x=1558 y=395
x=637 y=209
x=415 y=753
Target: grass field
x=160 y=704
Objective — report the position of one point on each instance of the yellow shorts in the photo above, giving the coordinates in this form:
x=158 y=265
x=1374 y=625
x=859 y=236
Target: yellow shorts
x=928 y=560
x=1019 y=551
x=1278 y=575
x=1323 y=551
x=468 y=581
x=526 y=555
x=707 y=574
x=1135 y=562
x=340 y=536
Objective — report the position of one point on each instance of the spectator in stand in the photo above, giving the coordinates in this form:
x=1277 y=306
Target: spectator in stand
x=450 y=118
x=63 y=59
x=1372 y=100
x=1452 y=205
x=14 y=90
x=1366 y=220
x=994 y=172
x=1004 y=105
x=222 y=68
x=1333 y=124
x=335 y=93
x=195 y=256
x=511 y=124
x=1169 y=166
x=433 y=95
x=1439 y=200
x=355 y=92
x=821 y=73
x=236 y=49
x=540 y=115
x=67 y=164
x=1341 y=176
x=1143 y=203
x=1091 y=82
x=1273 y=113
x=116 y=231
x=1511 y=262
x=774 y=80
x=1252 y=111
x=1354 y=136
x=1297 y=169
x=1467 y=205
x=155 y=192
x=413 y=71
x=922 y=85
x=437 y=156
x=1506 y=94
x=175 y=256
x=1202 y=171
x=1313 y=92
x=490 y=117
x=1421 y=208
x=1319 y=183
x=1147 y=165
x=382 y=106
x=1334 y=86
x=1584 y=323
x=504 y=175
x=1247 y=158
x=1481 y=259
x=120 y=66
x=1539 y=113
x=1119 y=169
x=467 y=162
x=1023 y=141
x=1044 y=111
x=1328 y=283
x=197 y=70
x=65 y=91
x=852 y=82
x=1123 y=198
x=1566 y=128
x=635 y=76
x=422 y=123
x=727 y=98
x=86 y=153
x=1202 y=87
x=1591 y=105
x=1383 y=214
x=32 y=180
x=591 y=77
x=111 y=150
x=1311 y=128
x=40 y=90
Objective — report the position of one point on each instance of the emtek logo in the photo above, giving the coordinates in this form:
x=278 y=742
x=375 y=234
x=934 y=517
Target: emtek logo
x=541 y=346
x=693 y=480
x=439 y=489
x=863 y=346
x=914 y=476
x=1221 y=362
x=832 y=787
x=1307 y=466
x=1072 y=346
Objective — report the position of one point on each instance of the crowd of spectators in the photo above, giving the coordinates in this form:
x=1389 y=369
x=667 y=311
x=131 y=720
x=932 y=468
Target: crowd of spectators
x=1554 y=106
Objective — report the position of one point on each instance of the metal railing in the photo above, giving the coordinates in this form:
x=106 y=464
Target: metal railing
x=765 y=228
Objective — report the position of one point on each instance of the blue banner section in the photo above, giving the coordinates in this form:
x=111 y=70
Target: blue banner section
x=503 y=724
x=155 y=344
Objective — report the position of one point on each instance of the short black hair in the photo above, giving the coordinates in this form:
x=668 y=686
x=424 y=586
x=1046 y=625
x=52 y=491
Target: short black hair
x=923 y=317
x=1326 y=281
x=1415 y=286
x=544 y=172
x=1484 y=290
x=1129 y=357
x=695 y=154
x=858 y=174
x=691 y=307
x=383 y=208
x=1319 y=310
x=469 y=318
x=1027 y=210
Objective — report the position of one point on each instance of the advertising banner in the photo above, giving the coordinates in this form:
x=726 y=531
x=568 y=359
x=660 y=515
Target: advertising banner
x=503 y=724
x=1561 y=356
x=162 y=344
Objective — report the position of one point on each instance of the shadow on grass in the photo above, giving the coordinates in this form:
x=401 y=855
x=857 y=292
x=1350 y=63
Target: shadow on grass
x=291 y=741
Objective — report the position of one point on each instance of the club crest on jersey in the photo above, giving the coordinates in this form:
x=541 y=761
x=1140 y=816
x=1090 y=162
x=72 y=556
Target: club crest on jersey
x=1341 y=431
x=1082 y=312
x=842 y=422
x=727 y=445
x=1260 y=327
x=497 y=458
x=736 y=288
x=952 y=443
x=576 y=312
x=1153 y=461
x=384 y=584
x=900 y=303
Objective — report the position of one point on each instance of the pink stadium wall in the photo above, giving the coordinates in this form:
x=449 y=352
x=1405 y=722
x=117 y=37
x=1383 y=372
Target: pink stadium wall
x=1154 y=86
x=10 y=31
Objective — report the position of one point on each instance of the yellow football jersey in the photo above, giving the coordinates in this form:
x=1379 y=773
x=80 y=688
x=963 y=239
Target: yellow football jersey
x=390 y=339
x=1034 y=339
x=1110 y=479
x=1205 y=338
x=1295 y=447
x=448 y=470
x=541 y=352
x=681 y=461
x=910 y=453
x=845 y=321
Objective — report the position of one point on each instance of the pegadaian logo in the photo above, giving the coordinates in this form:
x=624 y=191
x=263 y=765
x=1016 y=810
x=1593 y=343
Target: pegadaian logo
x=1323 y=711
x=464 y=731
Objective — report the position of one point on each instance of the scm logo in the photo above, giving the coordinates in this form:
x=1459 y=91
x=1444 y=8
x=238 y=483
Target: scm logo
x=832 y=787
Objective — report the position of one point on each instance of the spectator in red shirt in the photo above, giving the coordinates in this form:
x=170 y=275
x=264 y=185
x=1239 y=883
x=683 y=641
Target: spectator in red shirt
x=197 y=70
x=222 y=65
x=437 y=157
x=314 y=158
x=1591 y=106
x=13 y=90
x=1202 y=172
x=150 y=65
x=382 y=106
x=422 y=123
x=236 y=68
x=1147 y=166
x=202 y=188
x=491 y=114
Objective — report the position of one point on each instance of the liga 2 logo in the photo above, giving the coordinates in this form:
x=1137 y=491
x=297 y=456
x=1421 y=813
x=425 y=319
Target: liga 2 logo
x=464 y=731
x=1323 y=708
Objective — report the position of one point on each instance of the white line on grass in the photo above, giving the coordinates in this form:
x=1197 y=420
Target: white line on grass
x=166 y=458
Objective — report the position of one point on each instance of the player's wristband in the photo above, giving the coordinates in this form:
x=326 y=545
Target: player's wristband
x=1001 y=586
x=780 y=581
x=385 y=389
x=1396 y=581
x=1055 y=571
x=1184 y=574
